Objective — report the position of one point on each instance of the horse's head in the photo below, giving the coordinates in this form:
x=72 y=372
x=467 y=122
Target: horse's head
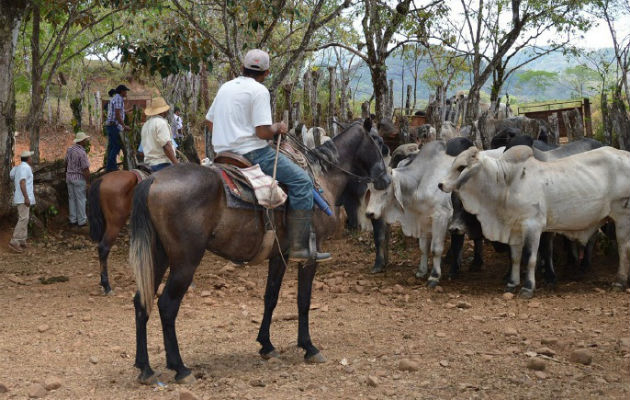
x=370 y=159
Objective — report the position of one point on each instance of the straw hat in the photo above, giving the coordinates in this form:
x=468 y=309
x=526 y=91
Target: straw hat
x=81 y=136
x=158 y=106
x=26 y=153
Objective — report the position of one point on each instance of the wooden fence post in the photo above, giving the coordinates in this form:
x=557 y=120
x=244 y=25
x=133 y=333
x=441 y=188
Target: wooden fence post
x=332 y=96
x=365 y=110
x=588 y=123
x=307 y=95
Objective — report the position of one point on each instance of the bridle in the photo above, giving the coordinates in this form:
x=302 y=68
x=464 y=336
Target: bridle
x=361 y=179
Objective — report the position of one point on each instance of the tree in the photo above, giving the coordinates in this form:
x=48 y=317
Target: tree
x=11 y=16
x=285 y=27
x=491 y=45
x=380 y=23
x=61 y=31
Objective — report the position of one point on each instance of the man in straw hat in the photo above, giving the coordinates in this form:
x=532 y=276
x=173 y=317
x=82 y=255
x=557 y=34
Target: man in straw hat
x=23 y=198
x=156 y=140
x=77 y=178
x=240 y=121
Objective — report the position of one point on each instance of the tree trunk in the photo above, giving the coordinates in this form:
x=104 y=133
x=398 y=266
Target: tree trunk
x=472 y=106
x=314 y=108
x=408 y=102
x=35 y=112
x=389 y=112
x=11 y=14
x=379 y=82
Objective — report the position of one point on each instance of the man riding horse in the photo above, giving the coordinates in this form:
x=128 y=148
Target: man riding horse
x=241 y=122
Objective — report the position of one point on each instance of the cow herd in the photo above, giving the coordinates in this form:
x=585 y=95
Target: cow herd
x=517 y=195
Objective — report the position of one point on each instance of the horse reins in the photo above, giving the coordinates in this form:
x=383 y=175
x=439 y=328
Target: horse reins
x=305 y=149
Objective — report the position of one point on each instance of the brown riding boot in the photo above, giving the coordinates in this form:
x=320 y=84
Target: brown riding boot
x=299 y=226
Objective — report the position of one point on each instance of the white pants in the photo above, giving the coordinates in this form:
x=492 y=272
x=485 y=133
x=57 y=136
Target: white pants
x=20 y=232
x=76 y=200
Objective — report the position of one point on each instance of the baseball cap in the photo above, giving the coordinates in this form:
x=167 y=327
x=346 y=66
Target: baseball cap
x=120 y=88
x=257 y=60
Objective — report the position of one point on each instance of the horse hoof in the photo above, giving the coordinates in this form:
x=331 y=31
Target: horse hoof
x=187 y=379
x=432 y=284
x=270 y=355
x=526 y=293
x=377 y=270
x=107 y=290
x=420 y=275
x=510 y=289
x=617 y=287
x=317 y=358
x=148 y=378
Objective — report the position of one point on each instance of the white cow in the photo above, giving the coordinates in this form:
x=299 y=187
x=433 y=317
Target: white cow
x=413 y=200
x=517 y=197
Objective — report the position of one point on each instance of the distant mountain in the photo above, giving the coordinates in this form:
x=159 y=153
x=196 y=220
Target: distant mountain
x=559 y=88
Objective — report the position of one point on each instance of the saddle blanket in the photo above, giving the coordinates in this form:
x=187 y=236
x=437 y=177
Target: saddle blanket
x=238 y=186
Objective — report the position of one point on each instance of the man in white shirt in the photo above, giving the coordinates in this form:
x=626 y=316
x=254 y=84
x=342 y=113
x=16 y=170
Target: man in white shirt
x=23 y=198
x=178 y=124
x=156 y=142
x=240 y=121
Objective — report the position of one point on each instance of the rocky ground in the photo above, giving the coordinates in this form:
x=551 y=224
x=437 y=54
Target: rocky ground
x=385 y=336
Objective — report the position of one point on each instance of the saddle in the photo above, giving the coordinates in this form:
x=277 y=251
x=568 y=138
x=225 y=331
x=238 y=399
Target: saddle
x=245 y=185
x=142 y=172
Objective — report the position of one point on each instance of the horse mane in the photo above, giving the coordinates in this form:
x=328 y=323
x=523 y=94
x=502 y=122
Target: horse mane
x=324 y=156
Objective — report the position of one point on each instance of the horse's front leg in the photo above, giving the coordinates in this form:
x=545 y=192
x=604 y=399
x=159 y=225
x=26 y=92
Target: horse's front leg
x=306 y=272
x=275 y=274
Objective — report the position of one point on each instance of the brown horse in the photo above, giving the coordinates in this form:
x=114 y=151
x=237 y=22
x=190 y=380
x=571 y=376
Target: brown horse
x=109 y=200
x=181 y=212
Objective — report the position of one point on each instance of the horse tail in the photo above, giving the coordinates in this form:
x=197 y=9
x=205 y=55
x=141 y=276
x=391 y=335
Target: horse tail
x=95 y=212
x=143 y=245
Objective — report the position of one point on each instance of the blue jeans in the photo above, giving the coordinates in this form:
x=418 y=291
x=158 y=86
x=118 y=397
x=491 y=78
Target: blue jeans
x=157 y=167
x=297 y=180
x=114 y=147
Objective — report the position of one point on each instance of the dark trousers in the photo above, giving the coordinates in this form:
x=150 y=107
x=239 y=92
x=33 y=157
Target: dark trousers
x=115 y=145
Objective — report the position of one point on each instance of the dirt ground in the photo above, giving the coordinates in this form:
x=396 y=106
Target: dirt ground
x=465 y=340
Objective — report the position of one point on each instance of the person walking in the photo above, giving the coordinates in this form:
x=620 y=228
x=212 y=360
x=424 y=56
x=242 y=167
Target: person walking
x=177 y=126
x=23 y=198
x=156 y=141
x=77 y=178
x=240 y=121
x=115 y=125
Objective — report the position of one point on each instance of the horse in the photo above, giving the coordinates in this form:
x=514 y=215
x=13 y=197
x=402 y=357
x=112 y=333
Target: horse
x=180 y=212
x=109 y=200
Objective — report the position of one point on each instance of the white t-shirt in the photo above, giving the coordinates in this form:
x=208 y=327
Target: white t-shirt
x=155 y=134
x=239 y=107
x=177 y=125
x=19 y=172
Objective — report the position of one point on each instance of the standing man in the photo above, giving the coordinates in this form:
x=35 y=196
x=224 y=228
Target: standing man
x=23 y=198
x=178 y=125
x=240 y=121
x=77 y=178
x=156 y=143
x=115 y=124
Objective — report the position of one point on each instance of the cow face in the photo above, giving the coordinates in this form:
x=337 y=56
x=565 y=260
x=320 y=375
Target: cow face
x=464 y=167
x=379 y=200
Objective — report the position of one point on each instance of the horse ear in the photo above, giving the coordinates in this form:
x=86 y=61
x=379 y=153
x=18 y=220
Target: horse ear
x=367 y=124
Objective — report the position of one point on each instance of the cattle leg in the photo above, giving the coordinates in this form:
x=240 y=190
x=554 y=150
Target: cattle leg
x=478 y=257
x=456 y=250
x=514 y=280
x=306 y=273
x=438 y=230
x=423 y=267
x=527 y=291
x=275 y=274
x=546 y=258
x=622 y=231
x=380 y=232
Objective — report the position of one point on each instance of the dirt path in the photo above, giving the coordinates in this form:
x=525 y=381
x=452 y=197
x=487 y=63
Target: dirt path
x=465 y=341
